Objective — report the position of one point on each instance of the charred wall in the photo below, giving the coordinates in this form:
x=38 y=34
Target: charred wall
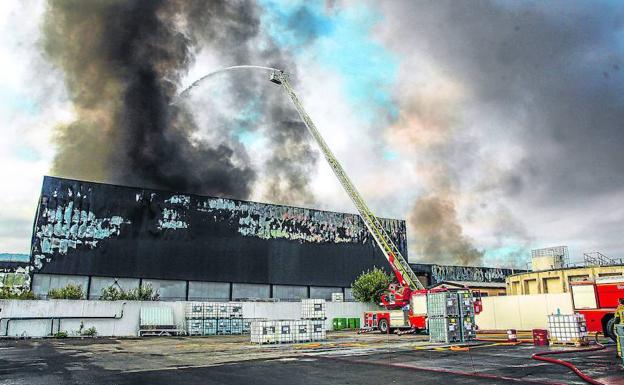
x=439 y=273
x=86 y=228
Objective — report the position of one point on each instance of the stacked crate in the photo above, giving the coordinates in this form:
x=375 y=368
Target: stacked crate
x=194 y=315
x=302 y=331
x=264 y=332
x=317 y=330
x=236 y=325
x=443 y=317
x=337 y=297
x=284 y=332
x=287 y=331
x=211 y=318
x=313 y=309
x=246 y=324
x=467 y=323
x=210 y=327
x=567 y=328
x=229 y=318
x=210 y=310
x=311 y=326
x=224 y=326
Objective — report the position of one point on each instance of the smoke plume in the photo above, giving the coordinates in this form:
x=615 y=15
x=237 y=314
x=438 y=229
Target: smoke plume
x=438 y=234
x=123 y=63
x=426 y=131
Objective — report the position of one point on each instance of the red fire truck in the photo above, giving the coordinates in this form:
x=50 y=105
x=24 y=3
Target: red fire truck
x=597 y=301
x=412 y=318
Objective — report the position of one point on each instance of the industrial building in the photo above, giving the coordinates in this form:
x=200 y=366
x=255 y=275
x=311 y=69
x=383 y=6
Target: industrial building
x=433 y=274
x=195 y=247
x=551 y=272
x=204 y=248
x=485 y=289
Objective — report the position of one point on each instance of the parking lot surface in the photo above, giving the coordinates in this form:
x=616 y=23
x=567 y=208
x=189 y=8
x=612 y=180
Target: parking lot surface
x=346 y=358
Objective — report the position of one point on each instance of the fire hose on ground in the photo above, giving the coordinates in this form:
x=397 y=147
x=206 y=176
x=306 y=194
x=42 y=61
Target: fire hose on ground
x=541 y=357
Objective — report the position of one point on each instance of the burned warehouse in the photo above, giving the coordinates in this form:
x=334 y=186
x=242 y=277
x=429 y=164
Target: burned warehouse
x=195 y=247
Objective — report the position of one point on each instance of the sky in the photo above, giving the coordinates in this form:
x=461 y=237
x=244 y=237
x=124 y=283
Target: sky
x=491 y=127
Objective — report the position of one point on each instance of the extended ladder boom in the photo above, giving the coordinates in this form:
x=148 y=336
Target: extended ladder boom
x=399 y=265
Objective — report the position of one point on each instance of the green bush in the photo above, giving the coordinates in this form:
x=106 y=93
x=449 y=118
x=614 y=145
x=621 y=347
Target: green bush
x=6 y=293
x=70 y=291
x=61 y=334
x=90 y=332
x=112 y=293
x=143 y=293
x=369 y=286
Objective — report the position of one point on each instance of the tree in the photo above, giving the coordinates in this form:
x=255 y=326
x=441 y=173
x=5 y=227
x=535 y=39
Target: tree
x=369 y=286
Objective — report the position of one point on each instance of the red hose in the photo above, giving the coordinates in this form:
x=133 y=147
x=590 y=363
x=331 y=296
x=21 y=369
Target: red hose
x=437 y=370
x=540 y=356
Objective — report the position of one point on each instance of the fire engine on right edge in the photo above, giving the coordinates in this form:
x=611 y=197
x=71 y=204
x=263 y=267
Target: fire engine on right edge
x=601 y=302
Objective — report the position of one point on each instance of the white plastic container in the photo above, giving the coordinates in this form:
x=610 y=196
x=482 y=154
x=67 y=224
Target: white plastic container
x=567 y=327
x=264 y=332
x=302 y=331
x=194 y=310
x=317 y=330
x=210 y=309
x=337 y=297
x=285 y=331
x=313 y=309
x=195 y=327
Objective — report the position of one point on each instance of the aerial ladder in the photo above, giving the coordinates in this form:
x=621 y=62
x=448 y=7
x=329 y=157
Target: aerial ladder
x=398 y=295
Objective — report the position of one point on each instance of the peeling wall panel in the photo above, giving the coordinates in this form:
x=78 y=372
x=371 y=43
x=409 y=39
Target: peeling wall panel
x=439 y=273
x=105 y=230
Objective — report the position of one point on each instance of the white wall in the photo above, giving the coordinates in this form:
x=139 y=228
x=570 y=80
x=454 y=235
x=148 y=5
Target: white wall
x=522 y=312
x=128 y=325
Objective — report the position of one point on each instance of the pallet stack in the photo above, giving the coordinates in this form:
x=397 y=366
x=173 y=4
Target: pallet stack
x=451 y=316
x=313 y=310
x=287 y=331
x=443 y=317
x=211 y=318
x=337 y=297
x=467 y=321
x=264 y=332
x=194 y=315
x=311 y=326
x=567 y=329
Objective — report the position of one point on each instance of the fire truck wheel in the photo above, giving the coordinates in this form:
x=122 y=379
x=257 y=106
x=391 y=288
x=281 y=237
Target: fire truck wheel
x=610 y=329
x=383 y=326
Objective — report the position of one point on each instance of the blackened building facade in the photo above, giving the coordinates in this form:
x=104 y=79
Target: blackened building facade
x=195 y=247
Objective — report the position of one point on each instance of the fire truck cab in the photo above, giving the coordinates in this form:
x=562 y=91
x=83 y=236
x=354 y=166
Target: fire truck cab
x=412 y=317
x=598 y=302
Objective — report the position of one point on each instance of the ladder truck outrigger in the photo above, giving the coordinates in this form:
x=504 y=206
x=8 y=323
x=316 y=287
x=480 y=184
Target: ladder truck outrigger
x=405 y=301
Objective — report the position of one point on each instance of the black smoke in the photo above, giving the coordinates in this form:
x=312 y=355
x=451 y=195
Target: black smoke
x=123 y=64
